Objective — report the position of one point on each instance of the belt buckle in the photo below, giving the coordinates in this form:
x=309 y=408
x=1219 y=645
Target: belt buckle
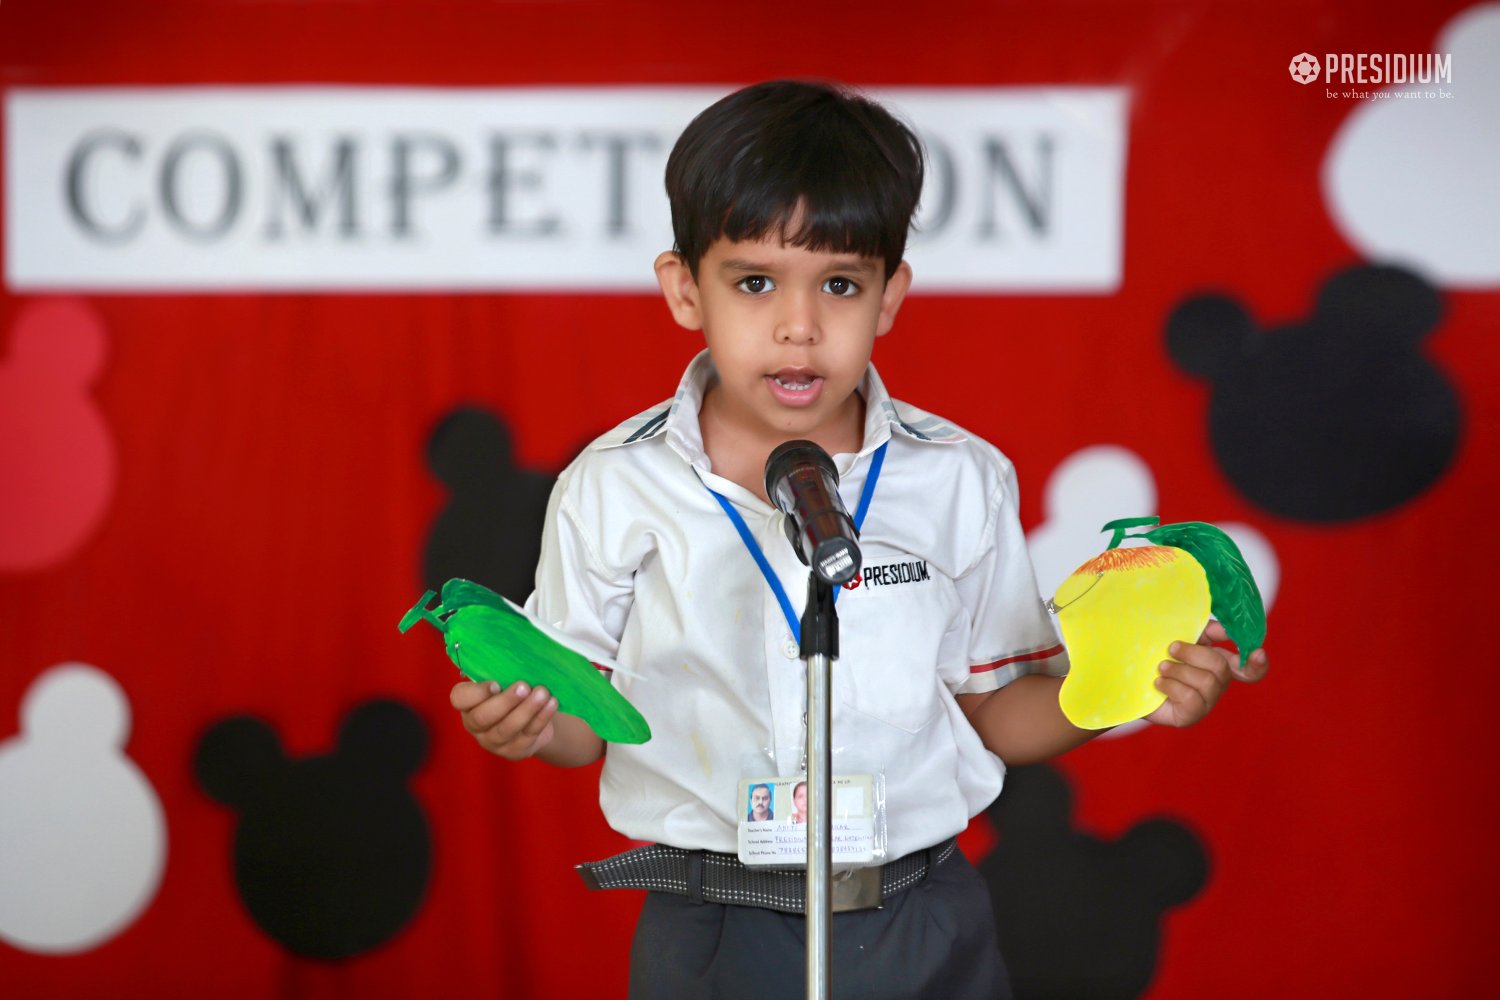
x=856 y=890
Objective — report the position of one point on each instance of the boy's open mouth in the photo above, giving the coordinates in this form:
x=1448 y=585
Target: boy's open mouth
x=796 y=381
x=795 y=386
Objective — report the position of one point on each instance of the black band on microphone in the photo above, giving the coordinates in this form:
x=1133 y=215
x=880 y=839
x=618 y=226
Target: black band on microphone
x=802 y=482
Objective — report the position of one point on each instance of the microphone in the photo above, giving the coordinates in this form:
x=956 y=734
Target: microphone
x=802 y=482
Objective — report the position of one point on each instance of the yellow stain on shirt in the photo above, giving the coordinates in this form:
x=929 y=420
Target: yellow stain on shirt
x=703 y=759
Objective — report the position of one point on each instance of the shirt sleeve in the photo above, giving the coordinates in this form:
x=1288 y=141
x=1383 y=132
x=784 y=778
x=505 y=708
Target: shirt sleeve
x=576 y=592
x=1010 y=631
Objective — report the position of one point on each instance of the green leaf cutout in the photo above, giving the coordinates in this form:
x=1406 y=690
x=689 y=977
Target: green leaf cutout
x=490 y=639
x=1235 y=598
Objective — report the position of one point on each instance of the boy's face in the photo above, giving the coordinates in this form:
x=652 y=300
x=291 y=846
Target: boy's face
x=790 y=331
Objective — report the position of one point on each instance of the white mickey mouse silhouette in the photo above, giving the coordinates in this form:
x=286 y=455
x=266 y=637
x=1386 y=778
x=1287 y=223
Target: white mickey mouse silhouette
x=1411 y=179
x=1088 y=489
x=82 y=832
x=1099 y=484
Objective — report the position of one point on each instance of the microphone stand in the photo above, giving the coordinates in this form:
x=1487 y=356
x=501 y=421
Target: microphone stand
x=820 y=647
x=802 y=481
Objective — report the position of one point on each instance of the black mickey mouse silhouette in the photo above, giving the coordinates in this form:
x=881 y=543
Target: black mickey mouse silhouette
x=332 y=853
x=1333 y=419
x=491 y=530
x=1080 y=918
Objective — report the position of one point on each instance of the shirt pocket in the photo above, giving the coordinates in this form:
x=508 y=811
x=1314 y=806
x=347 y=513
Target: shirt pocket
x=890 y=645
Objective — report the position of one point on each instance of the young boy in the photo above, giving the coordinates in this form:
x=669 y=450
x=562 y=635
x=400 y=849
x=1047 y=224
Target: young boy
x=791 y=204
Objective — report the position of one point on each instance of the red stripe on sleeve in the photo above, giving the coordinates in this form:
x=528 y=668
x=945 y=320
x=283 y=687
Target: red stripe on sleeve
x=1041 y=654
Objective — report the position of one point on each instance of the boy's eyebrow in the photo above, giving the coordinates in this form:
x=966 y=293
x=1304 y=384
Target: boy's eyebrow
x=853 y=265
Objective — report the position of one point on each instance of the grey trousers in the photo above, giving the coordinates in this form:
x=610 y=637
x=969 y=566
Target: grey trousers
x=935 y=940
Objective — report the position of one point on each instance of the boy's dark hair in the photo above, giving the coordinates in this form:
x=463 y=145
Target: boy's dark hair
x=748 y=163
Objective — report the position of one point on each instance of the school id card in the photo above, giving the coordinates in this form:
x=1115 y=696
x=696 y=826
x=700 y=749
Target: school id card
x=773 y=831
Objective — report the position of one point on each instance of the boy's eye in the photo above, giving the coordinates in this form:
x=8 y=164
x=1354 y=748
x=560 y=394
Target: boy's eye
x=840 y=286
x=755 y=284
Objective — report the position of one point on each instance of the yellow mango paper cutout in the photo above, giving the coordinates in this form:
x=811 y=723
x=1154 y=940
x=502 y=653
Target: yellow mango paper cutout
x=1120 y=611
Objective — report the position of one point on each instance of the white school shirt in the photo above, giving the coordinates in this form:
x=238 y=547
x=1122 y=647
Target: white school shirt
x=641 y=565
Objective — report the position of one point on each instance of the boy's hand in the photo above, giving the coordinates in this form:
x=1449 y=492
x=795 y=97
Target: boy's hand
x=1199 y=674
x=514 y=723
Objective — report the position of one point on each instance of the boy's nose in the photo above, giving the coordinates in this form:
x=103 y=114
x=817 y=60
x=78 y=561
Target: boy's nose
x=798 y=322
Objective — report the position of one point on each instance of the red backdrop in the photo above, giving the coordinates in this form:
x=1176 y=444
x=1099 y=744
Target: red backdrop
x=271 y=495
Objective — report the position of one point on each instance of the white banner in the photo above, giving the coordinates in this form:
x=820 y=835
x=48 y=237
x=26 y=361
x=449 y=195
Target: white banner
x=377 y=188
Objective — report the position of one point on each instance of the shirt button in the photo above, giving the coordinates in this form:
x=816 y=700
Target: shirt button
x=789 y=648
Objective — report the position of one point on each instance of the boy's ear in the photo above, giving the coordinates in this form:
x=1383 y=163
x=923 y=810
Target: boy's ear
x=892 y=296
x=679 y=289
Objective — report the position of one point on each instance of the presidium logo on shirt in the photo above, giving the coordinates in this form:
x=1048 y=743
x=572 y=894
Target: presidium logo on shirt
x=891 y=574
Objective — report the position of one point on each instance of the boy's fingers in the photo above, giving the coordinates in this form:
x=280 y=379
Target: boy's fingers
x=522 y=706
x=1189 y=700
x=1255 y=667
x=506 y=713
x=494 y=709
x=466 y=694
x=1213 y=632
x=542 y=719
x=1256 y=664
x=1210 y=658
x=1205 y=683
x=528 y=716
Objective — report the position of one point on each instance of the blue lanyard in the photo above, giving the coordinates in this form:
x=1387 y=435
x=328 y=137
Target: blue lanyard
x=866 y=494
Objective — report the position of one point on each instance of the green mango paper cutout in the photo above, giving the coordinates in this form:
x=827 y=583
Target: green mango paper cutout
x=490 y=639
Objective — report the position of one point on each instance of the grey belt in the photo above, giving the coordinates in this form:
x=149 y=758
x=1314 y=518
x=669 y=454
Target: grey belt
x=723 y=878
